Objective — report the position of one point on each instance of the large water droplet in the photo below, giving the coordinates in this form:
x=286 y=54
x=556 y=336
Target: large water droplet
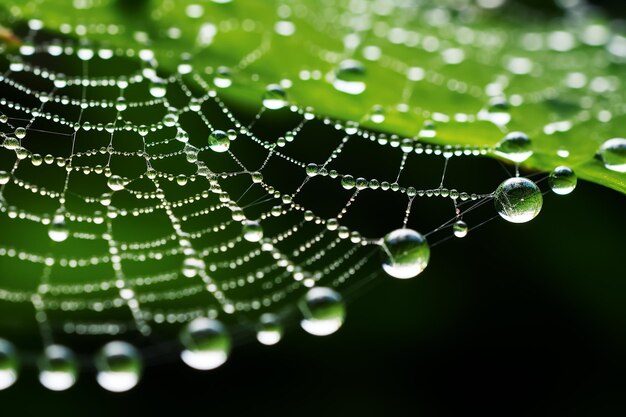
x=119 y=366
x=192 y=266
x=218 y=141
x=612 y=153
x=206 y=343
x=275 y=97
x=158 y=87
x=562 y=180
x=58 y=369
x=349 y=77
x=518 y=200
x=269 y=330
x=516 y=147
x=58 y=230
x=322 y=310
x=252 y=231
x=8 y=364
x=405 y=253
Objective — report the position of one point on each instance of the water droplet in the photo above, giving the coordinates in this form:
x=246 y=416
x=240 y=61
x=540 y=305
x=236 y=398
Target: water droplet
x=171 y=118
x=612 y=153
x=270 y=330
x=58 y=230
x=119 y=366
x=20 y=132
x=275 y=97
x=323 y=311
x=218 y=141
x=222 y=77
x=516 y=147
x=460 y=228
x=312 y=170
x=349 y=77
x=348 y=182
x=116 y=183
x=206 y=343
x=518 y=200
x=562 y=180
x=4 y=177
x=58 y=369
x=8 y=364
x=497 y=112
x=120 y=104
x=158 y=87
x=192 y=266
x=406 y=253
x=252 y=231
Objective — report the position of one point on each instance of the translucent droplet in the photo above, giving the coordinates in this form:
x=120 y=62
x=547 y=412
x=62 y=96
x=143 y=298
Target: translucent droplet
x=116 y=183
x=460 y=228
x=206 y=343
x=218 y=141
x=348 y=182
x=497 y=113
x=192 y=266
x=252 y=231
x=9 y=364
x=275 y=97
x=222 y=77
x=158 y=87
x=58 y=369
x=518 y=200
x=20 y=132
x=270 y=330
x=119 y=366
x=322 y=310
x=612 y=153
x=562 y=180
x=516 y=147
x=405 y=253
x=349 y=77
x=58 y=230
x=312 y=170
x=4 y=177
x=120 y=104
x=11 y=143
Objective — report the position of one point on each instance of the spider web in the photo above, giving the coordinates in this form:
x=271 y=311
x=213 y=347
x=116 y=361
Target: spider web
x=100 y=145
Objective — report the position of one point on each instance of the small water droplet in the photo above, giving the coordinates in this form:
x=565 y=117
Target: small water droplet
x=206 y=343
x=405 y=253
x=192 y=266
x=612 y=153
x=58 y=369
x=460 y=229
x=8 y=364
x=252 y=231
x=119 y=366
x=275 y=97
x=518 y=200
x=269 y=330
x=349 y=77
x=322 y=310
x=562 y=180
x=58 y=230
x=516 y=147
x=116 y=183
x=218 y=141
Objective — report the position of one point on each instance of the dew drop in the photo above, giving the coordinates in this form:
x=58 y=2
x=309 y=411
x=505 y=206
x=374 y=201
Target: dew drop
x=58 y=369
x=222 y=77
x=252 y=231
x=312 y=170
x=516 y=147
x=405 y=253
x=612 y=153
x=119 y=366
x=206 y=343
x=4 y=177
x=8 y=364
x=518 y=200
x=349 y=77
x=460 y=229
x=20 y=132
x=58 y=230
x=275 y=97
x=192 y=266
x=269 y=330
x=218 y=141
x=158 y=88
x=116 y=183
x=562 y=180
x=348 y=182
x=322 y=310
x=120 y=104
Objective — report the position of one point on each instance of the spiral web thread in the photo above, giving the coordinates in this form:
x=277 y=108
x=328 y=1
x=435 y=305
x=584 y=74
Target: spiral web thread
x=166 y=245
